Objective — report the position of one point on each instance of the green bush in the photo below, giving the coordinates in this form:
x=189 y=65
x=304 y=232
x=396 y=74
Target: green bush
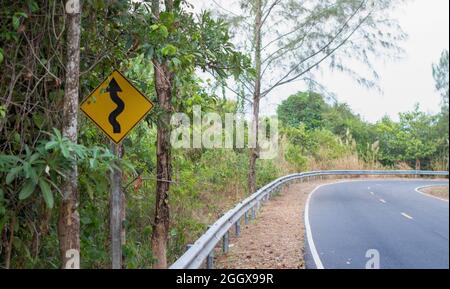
x=294 y=156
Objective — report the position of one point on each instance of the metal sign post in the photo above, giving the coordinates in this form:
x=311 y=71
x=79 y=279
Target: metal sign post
x=116 y=106
x=116 y=208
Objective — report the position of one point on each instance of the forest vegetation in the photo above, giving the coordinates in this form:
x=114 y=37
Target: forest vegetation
x=56 y=166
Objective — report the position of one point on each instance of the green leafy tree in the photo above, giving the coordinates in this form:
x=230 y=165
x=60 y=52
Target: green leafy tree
x=412 y=140
x=295 y=157
x=311 y=110
x=417 y=131
x=178 y=42
x=290 y=39
x=303 y=108
x=340 y=119
x=440 y=74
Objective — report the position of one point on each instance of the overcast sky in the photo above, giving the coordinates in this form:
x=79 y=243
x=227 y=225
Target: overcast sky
x=404 y=82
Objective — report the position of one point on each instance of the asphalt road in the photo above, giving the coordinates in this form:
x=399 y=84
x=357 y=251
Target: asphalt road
x=385 y=224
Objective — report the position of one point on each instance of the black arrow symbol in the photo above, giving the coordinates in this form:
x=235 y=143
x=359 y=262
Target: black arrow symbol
x=113 y=89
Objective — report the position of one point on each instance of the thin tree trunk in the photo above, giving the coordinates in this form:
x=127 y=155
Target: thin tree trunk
x=163 y=85
x=69 y=220
x=254 y=150
x=418 y=164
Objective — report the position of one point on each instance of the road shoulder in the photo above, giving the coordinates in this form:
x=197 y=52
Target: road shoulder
x=440 y=192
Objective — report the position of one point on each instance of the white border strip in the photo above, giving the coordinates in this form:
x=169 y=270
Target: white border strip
x=309 y=235
x=428 y=195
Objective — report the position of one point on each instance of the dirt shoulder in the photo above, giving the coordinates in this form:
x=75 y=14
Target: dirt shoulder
x=439 y=191
x=275 y=240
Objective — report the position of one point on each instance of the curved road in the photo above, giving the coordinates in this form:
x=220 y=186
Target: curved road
x=386 y=224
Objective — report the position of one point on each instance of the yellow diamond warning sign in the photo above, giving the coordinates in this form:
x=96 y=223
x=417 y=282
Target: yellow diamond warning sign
x=116 y=106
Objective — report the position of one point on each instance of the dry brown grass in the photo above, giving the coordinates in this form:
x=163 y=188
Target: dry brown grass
x=349 y=162
x=440 y=192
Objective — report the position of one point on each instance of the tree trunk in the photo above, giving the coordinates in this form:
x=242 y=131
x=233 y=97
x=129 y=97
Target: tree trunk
x=254 y=149
x=69 y=220
x=163 y=86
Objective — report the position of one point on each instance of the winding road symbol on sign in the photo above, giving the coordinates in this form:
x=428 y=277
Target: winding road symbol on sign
x=113 y=89
x=116 y=106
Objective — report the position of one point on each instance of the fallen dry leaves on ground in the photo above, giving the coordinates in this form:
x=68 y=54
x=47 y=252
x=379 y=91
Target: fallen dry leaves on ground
x=275 y=240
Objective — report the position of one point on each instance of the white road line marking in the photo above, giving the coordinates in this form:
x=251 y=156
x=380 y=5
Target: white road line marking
x=309 y=235
x=407 y=216
x=428 y=195
x=383 y=201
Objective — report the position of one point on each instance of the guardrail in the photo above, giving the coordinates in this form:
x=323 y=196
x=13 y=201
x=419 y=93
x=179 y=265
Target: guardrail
x=203 y=248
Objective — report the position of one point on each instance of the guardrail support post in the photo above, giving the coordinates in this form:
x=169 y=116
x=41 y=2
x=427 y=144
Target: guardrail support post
x=225 y=242
x=246 y=218
x=253 y=213
x=238 y=228
x=210 y=260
